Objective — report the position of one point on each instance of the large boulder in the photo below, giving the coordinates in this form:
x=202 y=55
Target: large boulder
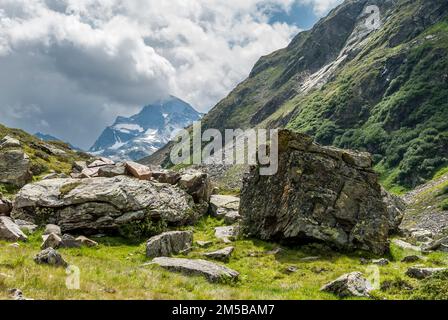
x=14 y=167
x=138 y=170
x=10 y=231
x=319 y=194
x=211 y=271
x=9 y=142
x=168 y=243
x=102 y=204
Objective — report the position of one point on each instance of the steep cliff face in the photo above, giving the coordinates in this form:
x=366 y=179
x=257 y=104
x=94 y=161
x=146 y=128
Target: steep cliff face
x=348 y=84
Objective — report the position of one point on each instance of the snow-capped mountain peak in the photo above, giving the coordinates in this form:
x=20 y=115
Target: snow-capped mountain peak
x=144 y=133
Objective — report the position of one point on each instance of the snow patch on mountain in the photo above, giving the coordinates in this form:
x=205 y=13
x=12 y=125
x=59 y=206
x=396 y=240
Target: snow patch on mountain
x=144 y=133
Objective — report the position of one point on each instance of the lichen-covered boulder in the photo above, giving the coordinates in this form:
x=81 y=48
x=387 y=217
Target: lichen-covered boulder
x=102 y=204
x=350 y=284
x=319 y=194
x=10 y=231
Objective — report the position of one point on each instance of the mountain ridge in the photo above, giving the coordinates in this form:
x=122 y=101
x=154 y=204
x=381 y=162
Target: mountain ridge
x=144 y=133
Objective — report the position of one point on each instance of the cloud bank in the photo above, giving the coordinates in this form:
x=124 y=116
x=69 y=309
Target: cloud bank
x=69 y=67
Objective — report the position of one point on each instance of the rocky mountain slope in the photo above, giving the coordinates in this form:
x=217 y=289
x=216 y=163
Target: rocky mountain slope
x=144 y=133
x=49 y=137
x=380 y=90
x=24 y=157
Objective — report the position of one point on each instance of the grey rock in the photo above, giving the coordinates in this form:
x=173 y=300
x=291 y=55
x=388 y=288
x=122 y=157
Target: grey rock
x=9 y=142
x=220 y=205
x=309 y=259
x=17 y=294
x=10 y=231
x=220 y=255
x=411 y=259
x=51 y=241
x=197 y=184
x=380 y=262
x=292 y=269
x=110 y=171
x=26 y=226
x=5 y=207
x=232 y=217
x=84 y=241
x=102 y=205
x=422 y=273
x=204 y=244
x=436 y=244
x=79 y=166
x=100 y=162
x=351 y=284
x=318 y=193
x=421 y=235
x=168 y=243
x=405 y=245
x=52 y=228
x=51 y=257
x=227 y=234
x=69 y=241
x=211 y=271
x=15 y=167
x=166 y=176
x=395 y=209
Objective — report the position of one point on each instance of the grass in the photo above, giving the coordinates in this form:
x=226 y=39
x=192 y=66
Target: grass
x=113 y=271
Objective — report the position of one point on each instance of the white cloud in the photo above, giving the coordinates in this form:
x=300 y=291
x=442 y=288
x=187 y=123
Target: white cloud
x=75 y=64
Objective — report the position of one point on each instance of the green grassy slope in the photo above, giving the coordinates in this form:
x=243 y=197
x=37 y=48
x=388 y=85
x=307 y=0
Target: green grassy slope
x=42 y=161
x=113 y=271
x=390 y=97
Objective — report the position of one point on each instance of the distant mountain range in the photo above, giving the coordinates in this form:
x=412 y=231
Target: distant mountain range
x=144 y=133
x=48 y=137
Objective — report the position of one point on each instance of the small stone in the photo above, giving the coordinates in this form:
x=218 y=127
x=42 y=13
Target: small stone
x=220 y=255
x=227 y=234
x=87 y=242
x=292 y=269
x=26 y=226
x=380 y=262
x=204 y=244
x=52 y=228
x=50 y=256
x=410 y=259
x=17 y=294
x=51 y=241
x=309 y=259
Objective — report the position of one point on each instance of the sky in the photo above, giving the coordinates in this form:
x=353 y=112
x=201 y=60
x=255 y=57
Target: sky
x=70 y=67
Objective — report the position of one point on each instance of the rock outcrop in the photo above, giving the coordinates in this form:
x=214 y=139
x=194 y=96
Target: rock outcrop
x=211 y=271
x=168 y=243
x=102 y=204
x=319 y=194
